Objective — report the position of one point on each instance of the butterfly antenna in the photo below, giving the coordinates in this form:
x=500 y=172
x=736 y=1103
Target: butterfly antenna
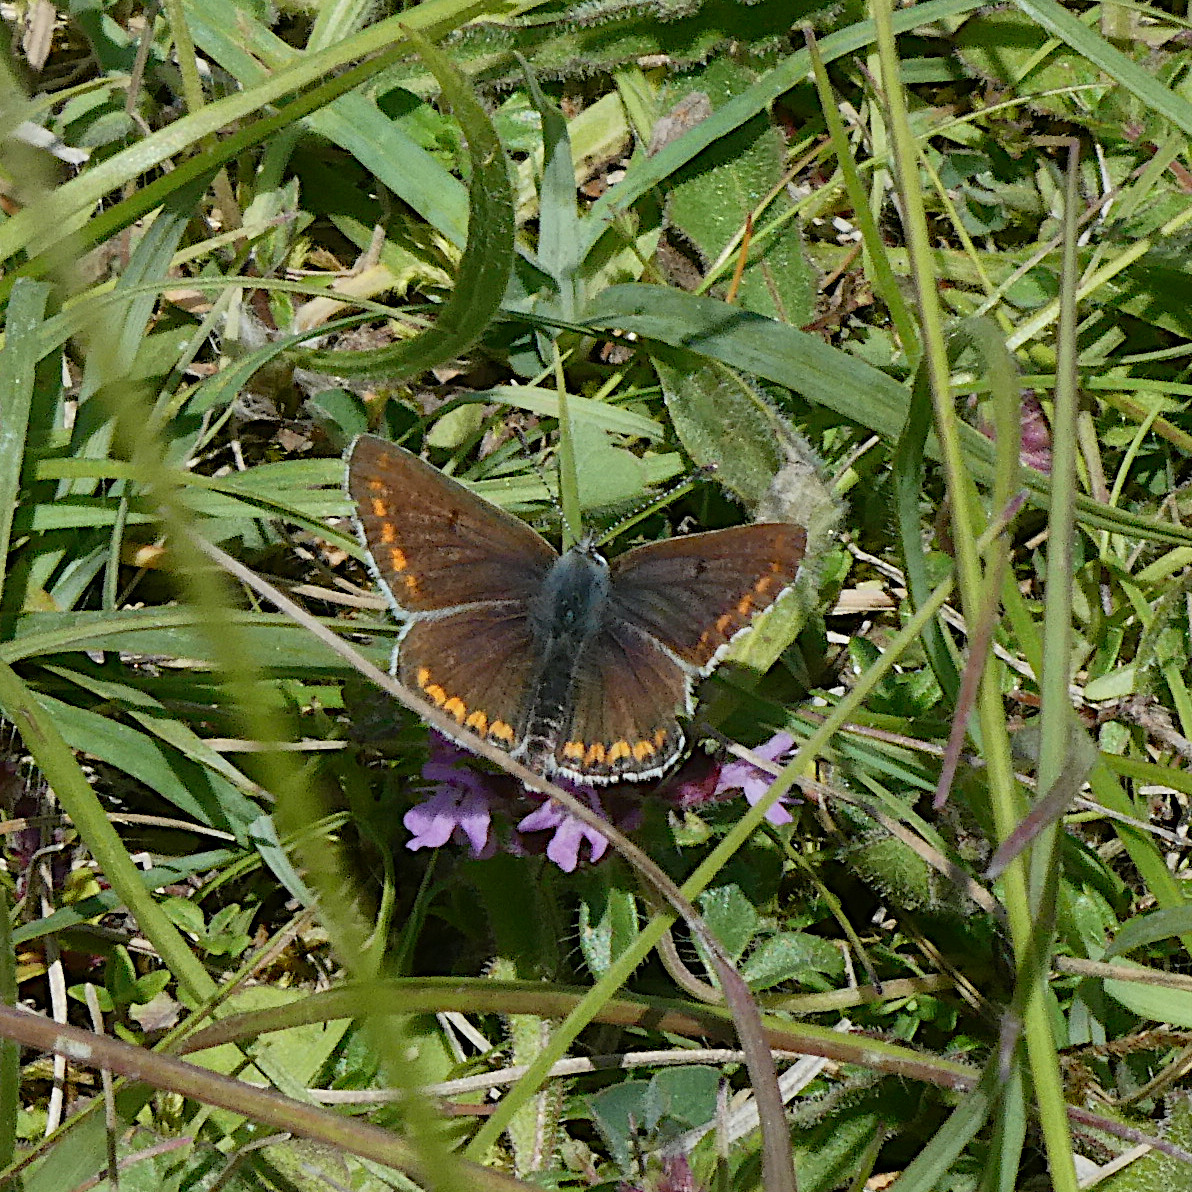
x=676 y=490
x=539 y=471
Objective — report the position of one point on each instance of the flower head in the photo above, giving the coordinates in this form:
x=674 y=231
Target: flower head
x=754 y=782
x=459 y=805
x=569 y=833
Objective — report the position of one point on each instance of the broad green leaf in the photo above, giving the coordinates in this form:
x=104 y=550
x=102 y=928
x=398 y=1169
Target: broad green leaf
x=790 y=956
x=827 y=1154
x=1154 y=1002
x=1151 y=1167
x=645 y=173
x=1150 y=928
x=1137 y=79
x=730 y=916
x=608 y=921
x=303 y=1049
x=722 y=420
x=1005 y=47
x=711 y=198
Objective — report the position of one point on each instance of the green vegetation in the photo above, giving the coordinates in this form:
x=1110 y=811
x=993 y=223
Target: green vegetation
x=916 y=279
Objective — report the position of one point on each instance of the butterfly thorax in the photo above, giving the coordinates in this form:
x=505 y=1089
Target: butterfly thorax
x=570 y=608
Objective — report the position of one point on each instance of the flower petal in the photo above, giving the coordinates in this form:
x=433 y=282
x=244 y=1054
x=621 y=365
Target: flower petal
x=473 y=821
x=569 y=833
x=432 y=821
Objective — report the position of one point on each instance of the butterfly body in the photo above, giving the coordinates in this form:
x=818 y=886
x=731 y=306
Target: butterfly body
x=576 y=666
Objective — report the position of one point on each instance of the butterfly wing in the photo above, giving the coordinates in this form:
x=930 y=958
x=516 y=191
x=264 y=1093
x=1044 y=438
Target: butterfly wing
x=477 y=665
x=461 y=574
x=626 y=696
x=434 y=544
x=692 y=595
x=674 y=606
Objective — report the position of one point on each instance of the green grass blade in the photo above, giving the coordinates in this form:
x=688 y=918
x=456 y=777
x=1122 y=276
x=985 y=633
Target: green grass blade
x=558 y=219
x=241 y=45
x=18 y=361
x=646 y=173
x=67 y=208
x=865 y=395
x=929 y=1167
x=56 y=761
x=908 y=477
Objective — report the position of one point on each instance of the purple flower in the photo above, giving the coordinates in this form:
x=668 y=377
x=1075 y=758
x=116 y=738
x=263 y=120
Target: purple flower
x=1035 y=432
x=754 y=782
x=459 y=805
x=694 y=783
x=569 y=833
x=675 y=1175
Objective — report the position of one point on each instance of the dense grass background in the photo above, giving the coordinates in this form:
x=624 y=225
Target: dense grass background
x=916 y=279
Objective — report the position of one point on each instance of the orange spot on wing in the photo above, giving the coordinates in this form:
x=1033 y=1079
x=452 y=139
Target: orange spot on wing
x=723 y=622
x=478 y=721
x=574 y=751
x=388 y=533
x=380 y=507
x=502 y=731
x=643 y=750
x=619 y=750
x=763 y=585
x=745 y=604
x=423 y=677
x=456 y=707
x=659 y=737
x=436 y=694
x=412 y=585
x=595 y=755
x=398 y=561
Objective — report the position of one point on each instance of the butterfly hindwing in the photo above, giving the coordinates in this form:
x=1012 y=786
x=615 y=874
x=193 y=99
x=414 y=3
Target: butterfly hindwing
x=476 y=665
x=626 y=698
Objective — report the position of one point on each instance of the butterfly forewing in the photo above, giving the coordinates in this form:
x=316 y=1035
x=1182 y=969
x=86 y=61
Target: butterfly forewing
x=434 y=544
x=693 y=594
x=461 y=574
